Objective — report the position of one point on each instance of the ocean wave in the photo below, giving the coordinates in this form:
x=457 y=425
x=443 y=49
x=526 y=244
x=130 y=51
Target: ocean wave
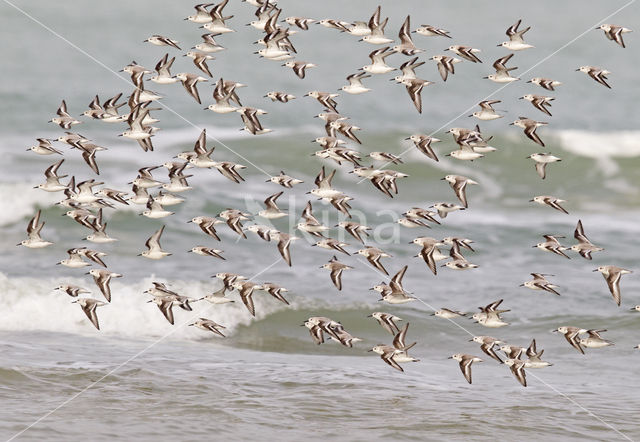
x=30 y=304
x=618 y=144
x=20 y=200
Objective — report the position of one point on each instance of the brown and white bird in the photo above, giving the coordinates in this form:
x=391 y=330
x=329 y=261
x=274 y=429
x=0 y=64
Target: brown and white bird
x=159 y=40
x=612 y=275
x=545 y=83
x=34 y=240
x=614 y=32
x=550 y=201
x=530 y=127
x=459 y=184
x=552 y=245
x=597 y=74
x=102 y=278
x=445 y=65
x=539 y=102
x=466 y=52
x=394 y=355
x=541 y=160
x=539 y=282
x=208 y=325
x=299 y=67
x=584 y=247
x=572 y=335
x=487 y=344
x=190 y=82
x=406 y=45
x=465 y=361
x=64 y=120
x=414 y=88
x=89 y=307
x=336 y=268
x=387 y=321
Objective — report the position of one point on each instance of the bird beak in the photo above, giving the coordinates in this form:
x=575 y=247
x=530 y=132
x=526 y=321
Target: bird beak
x=450 y=357
x=447 y=49
x=470 y=340
x=486 y=78
x=499 y=45
x=520 y=98
x=577 y=70
x=529 y=81
x=521 y=285
x=530 y=201
x=511 y=124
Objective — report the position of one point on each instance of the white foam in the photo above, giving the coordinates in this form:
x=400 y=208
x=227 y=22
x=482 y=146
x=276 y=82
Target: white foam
x=32 y=304
x=618 y=144
x=19 y=200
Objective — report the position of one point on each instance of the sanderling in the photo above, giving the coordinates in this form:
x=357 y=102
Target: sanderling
x=284 y=241
x=406 y=45
x=487 y=344
x=516 y=42
x=159 y=40
x=272 y=211
x=552 y=245
x=153 y=245
x=89 y=306
x=34 y=240
x=355 y=85
x=64 y=120
x=465 y=361
x=397 y=353
x=539 y=282
x=502 y=74
x=584 y=247
x=487 y=112
x=545 y=83
x=208 y=325
x=539 y=102
x=336 y=268
x=466 y=52
x=598 y=74
x=614 y=32
x=459 y=183
x=594 y=340
x=207 y=251
x=530 y=127
x=386 y=321
x=572 y=335
x=373 y=255
x=517 y=368
x=207 y=225
x=541 y=160
x=612 y=275
x=550 y=201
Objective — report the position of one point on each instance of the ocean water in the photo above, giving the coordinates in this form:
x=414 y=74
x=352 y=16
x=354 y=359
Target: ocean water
x=141 y=378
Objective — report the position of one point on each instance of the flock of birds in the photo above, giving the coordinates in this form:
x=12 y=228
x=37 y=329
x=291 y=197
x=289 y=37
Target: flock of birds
x=86 y=200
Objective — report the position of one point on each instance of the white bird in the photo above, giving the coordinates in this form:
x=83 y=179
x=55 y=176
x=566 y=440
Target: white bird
x=153 y=245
